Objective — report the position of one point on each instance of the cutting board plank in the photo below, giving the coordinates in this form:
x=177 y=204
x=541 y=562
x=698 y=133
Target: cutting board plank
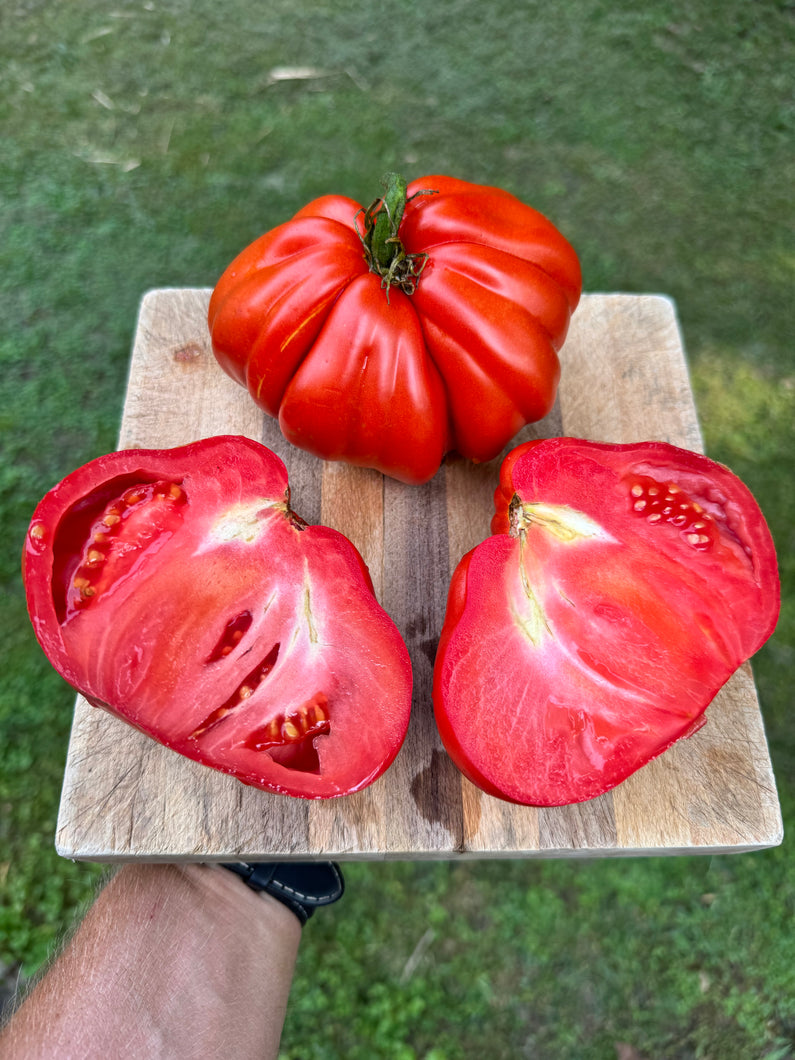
x=124 y=797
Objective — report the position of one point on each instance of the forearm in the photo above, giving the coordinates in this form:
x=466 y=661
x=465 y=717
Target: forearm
x=170 y=961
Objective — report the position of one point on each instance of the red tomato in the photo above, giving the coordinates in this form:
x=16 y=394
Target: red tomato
x=623 y=587
x=177 y=589
x=387 y=337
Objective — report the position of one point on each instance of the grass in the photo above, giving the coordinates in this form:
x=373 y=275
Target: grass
x=144 y=144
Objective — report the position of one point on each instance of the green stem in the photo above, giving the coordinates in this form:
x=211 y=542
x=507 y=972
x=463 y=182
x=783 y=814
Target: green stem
x=384 y=251
x=384 y=242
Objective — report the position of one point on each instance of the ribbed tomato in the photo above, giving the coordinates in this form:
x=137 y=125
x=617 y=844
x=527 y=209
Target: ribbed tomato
x=623 y=586
x=429 y=322
x=178 y=590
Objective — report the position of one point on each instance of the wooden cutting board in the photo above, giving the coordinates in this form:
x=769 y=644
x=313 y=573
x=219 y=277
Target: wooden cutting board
x=125 y=797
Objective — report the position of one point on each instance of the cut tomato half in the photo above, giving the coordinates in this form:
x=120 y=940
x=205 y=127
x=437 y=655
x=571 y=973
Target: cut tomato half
x=177 y=589
x=623 y=586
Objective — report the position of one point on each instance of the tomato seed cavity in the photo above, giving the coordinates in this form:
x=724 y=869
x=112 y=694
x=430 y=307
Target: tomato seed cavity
x=668 y=503
x=233 y=633
x=244 y=690
x=128 y=525
x=309 y=719
x=289 y=738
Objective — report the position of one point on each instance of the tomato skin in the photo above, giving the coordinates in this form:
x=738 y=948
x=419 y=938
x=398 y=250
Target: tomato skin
x=488 y=311
x=334 y=409
x=275 y=297
x=177 y=589
x=623 y=586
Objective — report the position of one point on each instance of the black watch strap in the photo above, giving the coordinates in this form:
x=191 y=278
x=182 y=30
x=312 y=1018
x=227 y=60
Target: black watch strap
x=300 y=885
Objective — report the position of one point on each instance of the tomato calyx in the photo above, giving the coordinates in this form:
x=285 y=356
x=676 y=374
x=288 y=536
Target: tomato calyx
x=383 y=249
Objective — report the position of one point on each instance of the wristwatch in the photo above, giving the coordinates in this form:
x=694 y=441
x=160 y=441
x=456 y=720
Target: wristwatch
x=301 y=885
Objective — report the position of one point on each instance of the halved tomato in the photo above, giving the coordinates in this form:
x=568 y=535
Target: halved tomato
x=623 y=587
x=177 y=589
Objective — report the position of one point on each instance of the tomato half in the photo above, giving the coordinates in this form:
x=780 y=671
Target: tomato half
x=177 y=589
x=387 y=337
x=624 y=584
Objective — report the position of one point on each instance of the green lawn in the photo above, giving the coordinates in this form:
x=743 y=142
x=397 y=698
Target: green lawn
x=143 y=145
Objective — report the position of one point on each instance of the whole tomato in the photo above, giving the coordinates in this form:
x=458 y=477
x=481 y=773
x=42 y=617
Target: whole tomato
x=623 y=586
x=386 y=337
x=178 y=590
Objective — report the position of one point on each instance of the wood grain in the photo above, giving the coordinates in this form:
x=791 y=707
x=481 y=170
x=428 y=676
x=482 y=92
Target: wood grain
x=125 y=797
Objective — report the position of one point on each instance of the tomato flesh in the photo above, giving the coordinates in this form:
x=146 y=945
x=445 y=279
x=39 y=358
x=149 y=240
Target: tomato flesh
x=177 y=589
x=623 y=587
